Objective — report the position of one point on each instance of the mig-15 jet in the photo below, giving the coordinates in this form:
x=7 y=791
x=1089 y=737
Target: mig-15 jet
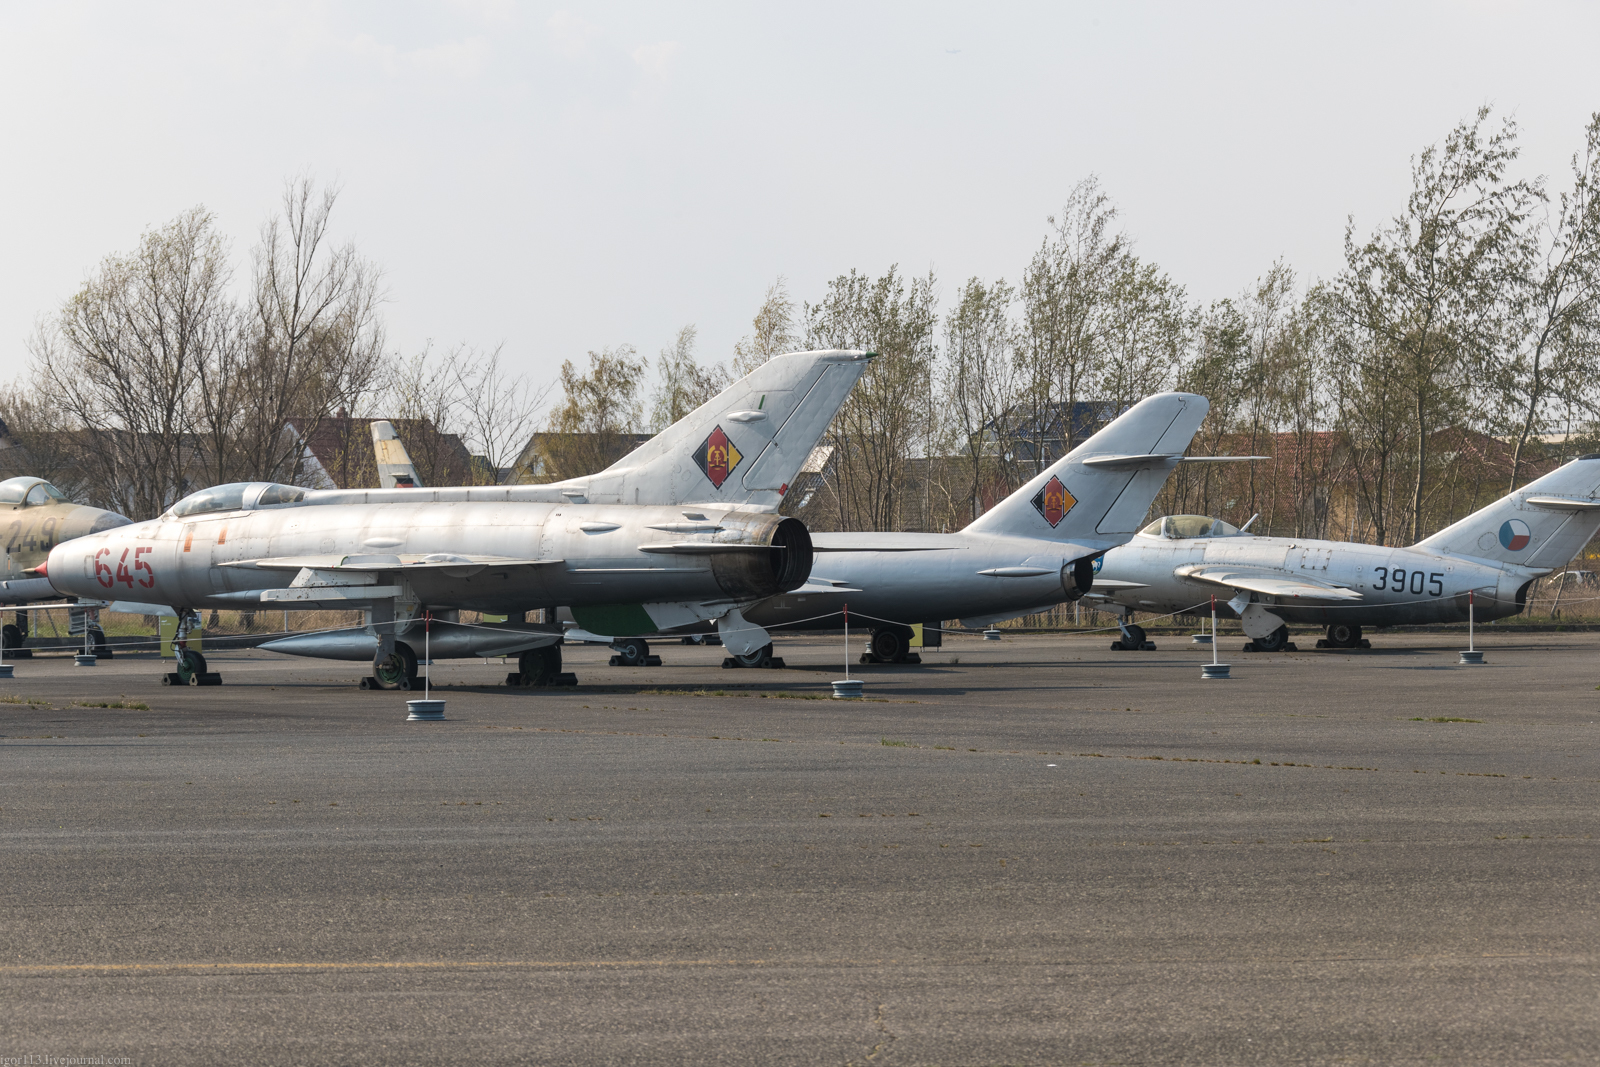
x=1488 y=558
x=681 y=530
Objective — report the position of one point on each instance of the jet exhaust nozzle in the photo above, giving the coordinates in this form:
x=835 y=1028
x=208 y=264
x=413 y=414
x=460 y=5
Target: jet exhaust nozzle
x=784 y=566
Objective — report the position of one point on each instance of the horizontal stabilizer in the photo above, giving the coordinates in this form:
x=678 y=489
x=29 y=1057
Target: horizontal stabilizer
x=1540 y=526
x=1561 y=503
x=1129 y=463
x=1105 y=486
x=1222 y=459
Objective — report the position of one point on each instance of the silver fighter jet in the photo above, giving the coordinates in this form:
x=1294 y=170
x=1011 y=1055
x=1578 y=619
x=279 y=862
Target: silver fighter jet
x=681 y=530
x=1034 y=549
x=1490 y=558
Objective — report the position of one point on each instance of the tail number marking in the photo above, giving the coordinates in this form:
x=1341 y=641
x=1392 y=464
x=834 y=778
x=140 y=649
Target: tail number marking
x=107 y=578
x=1396 y=581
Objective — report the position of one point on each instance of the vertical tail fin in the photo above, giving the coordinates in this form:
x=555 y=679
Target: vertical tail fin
x=744 y=446
x=1540 y=526
x=1106 y=485
x=395 y=469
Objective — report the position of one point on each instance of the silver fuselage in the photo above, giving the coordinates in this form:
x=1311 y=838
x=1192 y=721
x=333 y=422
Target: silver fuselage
x=1397 y=585
x=584 y=553
x=915 y=578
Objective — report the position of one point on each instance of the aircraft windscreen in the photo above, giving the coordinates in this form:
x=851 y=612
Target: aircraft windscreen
x=228 y=497
x=237 y=496
x=15 y=490
x=45 y=493
x=1183 y=527
x=279 y=494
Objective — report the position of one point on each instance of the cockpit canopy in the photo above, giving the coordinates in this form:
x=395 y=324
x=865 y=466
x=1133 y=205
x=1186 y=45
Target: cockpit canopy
x=1183 y=527
x=236 y=496
x=30 y=492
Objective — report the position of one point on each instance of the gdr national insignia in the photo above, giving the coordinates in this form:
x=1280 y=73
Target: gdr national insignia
x=1053 y=501
x=717 y=457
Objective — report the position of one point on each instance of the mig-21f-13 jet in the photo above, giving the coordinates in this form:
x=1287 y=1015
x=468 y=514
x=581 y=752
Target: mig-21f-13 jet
x=684 y=528
x=1487 y=560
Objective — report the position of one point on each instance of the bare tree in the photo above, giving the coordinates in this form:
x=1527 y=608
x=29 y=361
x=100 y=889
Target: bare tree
x=125 y=353
x=979 y=382
x=876 y=431
x=684 y=384
x=1432 y=290
x=316 y=340
x=497 y=411
x=1560 y=318
x=590 y=429
x=774 y=331
x=1067 y=293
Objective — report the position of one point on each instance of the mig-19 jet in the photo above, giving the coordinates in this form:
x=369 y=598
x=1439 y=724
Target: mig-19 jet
x=681 y=530
x=1489 y=558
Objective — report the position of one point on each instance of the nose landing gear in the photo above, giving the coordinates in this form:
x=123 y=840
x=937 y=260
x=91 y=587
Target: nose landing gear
x=191 y=665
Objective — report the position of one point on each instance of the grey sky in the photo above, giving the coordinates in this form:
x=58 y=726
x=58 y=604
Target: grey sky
x=562 y=177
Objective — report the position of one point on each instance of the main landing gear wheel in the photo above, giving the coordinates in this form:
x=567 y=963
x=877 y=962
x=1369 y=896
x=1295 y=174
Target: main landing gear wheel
x=761 y=657
x=1132 y=640
x=539 y=666
x=891 y=644
x=396 y=671
x=633 y=652
x=1276 y=641
x=1343 y=635
x=10 y=636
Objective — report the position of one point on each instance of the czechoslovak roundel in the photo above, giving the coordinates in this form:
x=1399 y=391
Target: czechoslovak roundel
x=1514 y=535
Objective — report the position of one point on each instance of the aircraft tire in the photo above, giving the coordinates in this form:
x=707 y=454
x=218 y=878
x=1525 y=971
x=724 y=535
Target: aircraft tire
x=632 y=651
x=1135 y=639
x=761 y=657
x=1276 y=641
x=398 y=670
x=10 y=636
x=1343 y=635
x=540 y=666
x=890 y=644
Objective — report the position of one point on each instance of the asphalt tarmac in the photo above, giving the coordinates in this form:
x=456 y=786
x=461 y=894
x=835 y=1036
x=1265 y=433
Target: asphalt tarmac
x=1029 y=851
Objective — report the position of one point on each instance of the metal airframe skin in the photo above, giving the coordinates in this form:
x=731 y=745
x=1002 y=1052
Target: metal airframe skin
x=1178 y=563
x=35 y=517
x=1012 y=560
x=668 y=530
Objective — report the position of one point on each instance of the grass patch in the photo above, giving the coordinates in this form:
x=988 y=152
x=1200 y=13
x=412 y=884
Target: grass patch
x=131 y=705
x=896 y=744
x=35 y=701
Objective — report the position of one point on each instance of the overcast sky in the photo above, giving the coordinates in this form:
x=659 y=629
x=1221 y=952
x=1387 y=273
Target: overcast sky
x=562 y=177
